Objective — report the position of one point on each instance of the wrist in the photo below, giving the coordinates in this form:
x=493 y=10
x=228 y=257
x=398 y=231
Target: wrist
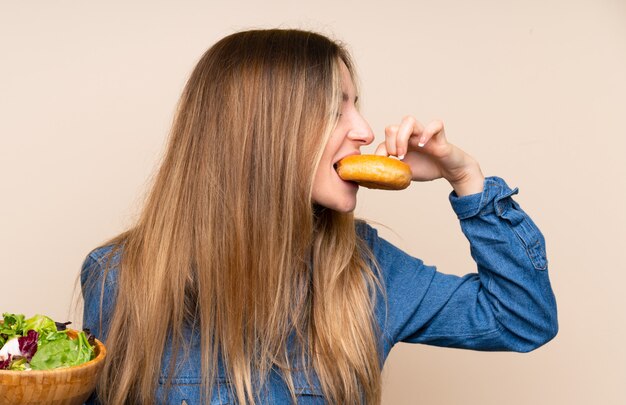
x=470 y=182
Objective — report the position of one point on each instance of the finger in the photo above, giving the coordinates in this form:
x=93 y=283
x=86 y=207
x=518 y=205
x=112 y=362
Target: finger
x=408 y=128
x=381 y=150
x=390 y=139
x=433 y=129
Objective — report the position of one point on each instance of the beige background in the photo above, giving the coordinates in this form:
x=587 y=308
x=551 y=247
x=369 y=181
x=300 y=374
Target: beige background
x=533 y=89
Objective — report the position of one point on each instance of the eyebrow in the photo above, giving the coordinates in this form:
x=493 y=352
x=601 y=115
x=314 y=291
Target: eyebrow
x=347 y=98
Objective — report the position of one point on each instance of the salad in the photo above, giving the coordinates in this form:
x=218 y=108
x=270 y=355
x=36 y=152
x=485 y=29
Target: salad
x=39 y=343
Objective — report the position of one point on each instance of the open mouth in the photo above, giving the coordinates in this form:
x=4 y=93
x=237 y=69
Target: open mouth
x=345 y=181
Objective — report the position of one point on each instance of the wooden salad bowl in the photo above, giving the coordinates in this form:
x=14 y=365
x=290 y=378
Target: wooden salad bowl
x=61 y=386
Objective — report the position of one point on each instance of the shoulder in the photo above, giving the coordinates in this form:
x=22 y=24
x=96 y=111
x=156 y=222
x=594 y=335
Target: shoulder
x=105 y=255
x=100 y=268
x=390 y=258
x=99 y=277
x=98 y=260
x=366 y=232
x=380 y=248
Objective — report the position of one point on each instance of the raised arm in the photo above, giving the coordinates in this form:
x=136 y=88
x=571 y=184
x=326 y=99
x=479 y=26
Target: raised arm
x=507 y=305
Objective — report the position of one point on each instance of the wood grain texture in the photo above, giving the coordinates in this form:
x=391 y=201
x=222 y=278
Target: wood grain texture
x=64 y=386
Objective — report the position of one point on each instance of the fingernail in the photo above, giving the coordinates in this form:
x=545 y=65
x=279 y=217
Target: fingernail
x=422 y=142
x=400 y=157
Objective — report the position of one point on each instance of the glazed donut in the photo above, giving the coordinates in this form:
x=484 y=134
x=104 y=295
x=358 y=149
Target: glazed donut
x=373 y=171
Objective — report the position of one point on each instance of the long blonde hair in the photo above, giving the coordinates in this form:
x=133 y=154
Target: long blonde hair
x=230 y=226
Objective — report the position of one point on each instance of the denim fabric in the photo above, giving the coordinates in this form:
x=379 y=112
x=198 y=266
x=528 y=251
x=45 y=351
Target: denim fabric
x=507 y=305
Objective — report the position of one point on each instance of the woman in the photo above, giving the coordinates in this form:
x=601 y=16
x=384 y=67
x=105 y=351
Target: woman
x=247 y=279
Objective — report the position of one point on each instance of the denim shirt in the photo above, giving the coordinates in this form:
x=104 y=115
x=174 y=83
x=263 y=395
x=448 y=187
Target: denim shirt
x=507 y=305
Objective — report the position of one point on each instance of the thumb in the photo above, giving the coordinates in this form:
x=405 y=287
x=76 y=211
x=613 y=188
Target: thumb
x=381 y=150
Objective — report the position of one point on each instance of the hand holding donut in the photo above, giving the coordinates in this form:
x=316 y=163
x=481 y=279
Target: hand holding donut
x=430 y=156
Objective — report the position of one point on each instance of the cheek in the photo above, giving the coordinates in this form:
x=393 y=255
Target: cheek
x=335 y=141
x=325 y=170
x=331 y=192
x=322 y=184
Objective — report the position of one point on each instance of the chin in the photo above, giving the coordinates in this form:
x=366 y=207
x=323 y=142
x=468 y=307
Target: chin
x=345 y=206
x=347 y=209
x=340 y=199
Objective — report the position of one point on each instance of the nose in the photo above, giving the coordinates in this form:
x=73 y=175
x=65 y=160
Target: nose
x=361 y=133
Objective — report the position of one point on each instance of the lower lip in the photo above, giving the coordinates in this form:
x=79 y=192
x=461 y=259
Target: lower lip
x=350 y=183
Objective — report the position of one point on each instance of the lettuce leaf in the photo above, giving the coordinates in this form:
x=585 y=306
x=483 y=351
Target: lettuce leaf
x=40 y=324
x=44 y=343
x=4 y=364
x=20 y=364
x=28 y=344
x=13 y=325
x=62 y=352
x=62 y=325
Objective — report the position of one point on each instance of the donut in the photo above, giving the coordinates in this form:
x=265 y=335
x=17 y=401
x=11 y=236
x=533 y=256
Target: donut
x=373 y=171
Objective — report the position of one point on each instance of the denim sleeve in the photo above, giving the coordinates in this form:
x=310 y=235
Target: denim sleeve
x=98 y=287
x=507 y=305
